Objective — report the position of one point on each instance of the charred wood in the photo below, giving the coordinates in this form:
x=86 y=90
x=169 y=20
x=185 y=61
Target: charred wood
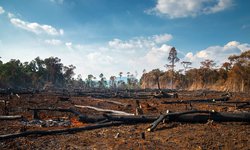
x=193 y=116
x=212 y=100
x=201 y=116
x=60 y=131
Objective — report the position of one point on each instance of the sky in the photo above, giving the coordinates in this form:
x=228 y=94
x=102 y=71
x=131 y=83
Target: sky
x=112 y=36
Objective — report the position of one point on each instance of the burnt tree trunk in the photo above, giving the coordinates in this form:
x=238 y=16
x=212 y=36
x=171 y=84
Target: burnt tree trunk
x=60 y=131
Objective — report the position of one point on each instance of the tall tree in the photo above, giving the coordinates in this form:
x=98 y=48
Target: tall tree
x=172 y=57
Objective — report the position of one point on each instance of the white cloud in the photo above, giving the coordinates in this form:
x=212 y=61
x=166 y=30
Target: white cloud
x=35 y=27
x=187 y=8
x=117 y=43
x=158 y=54
x=54 y=42
x=140 y=53
x=140 y=42
x=155 y=57
x=162 y=38
x=1 y=10
x=189 y=55
x=217 y=53
x=99 y=58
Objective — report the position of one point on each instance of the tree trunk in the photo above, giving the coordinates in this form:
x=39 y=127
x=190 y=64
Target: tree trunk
x=189 y=116
x=158 y=83
x=60 y=131
x=211 y=100
x=242 y=85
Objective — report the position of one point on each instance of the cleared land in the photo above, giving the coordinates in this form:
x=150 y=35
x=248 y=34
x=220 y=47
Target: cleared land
x=168 y=135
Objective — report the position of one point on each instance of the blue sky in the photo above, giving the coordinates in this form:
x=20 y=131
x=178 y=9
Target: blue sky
x=109 y=36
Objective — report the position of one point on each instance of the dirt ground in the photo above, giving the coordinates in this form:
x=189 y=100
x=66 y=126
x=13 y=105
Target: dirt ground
x=174 y=135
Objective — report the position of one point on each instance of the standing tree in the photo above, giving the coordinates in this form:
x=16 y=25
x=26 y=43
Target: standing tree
x=129 y=80
x=89 y=81
x=68 y=73
x=186 y=65
x=102 y=82
x=120 y=75
x=240 y=71
x=156 y=77
x=208 y=64
x=207 y=73
x=120 y=82
x=172 y=57
x=112 y=83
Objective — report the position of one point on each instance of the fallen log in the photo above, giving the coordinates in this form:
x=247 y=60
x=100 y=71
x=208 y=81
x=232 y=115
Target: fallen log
x=193 y=116
x=60 y=131
x=114 y=112
x=157 y=121
x=11 y=117
x=131 y=119
x=236 y=104
x=211 y=100
x=175 y=114
x=188 y=116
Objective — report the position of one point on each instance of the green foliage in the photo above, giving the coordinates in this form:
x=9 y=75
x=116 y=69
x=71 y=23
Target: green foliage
x=35 y=74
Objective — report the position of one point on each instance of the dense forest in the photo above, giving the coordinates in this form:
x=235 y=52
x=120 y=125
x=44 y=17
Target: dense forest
x=233 y=75
x=35 y=74
x=51 y=73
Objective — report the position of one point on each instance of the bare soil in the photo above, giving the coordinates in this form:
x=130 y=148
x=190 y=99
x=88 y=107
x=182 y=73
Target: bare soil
x=174 y=135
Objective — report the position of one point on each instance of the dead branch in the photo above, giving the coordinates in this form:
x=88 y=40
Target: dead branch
x=176 y=114
x=114 y=112
x=11 y=117
x=212 y=100
x=112 y=102
x=60 y=131
x=131 y=119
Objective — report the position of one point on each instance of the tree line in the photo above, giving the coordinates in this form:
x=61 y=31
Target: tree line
x=51 y=73
x=233 y=75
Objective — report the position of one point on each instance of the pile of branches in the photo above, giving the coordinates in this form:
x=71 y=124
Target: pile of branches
x=110 y=119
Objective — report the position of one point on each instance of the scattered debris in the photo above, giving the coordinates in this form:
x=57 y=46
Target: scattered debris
x=48 y=123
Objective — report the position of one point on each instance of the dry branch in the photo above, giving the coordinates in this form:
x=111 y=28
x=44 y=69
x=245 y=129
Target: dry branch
x=112 y=102
x=60 y=131
x=176 y=114
x=211 y=100
x=114 y=112
x=11 y=117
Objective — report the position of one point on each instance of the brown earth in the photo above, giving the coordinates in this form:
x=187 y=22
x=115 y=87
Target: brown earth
x=211 y=135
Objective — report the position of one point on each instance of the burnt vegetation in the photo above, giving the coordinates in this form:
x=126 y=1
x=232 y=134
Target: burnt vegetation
x=231 y=76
